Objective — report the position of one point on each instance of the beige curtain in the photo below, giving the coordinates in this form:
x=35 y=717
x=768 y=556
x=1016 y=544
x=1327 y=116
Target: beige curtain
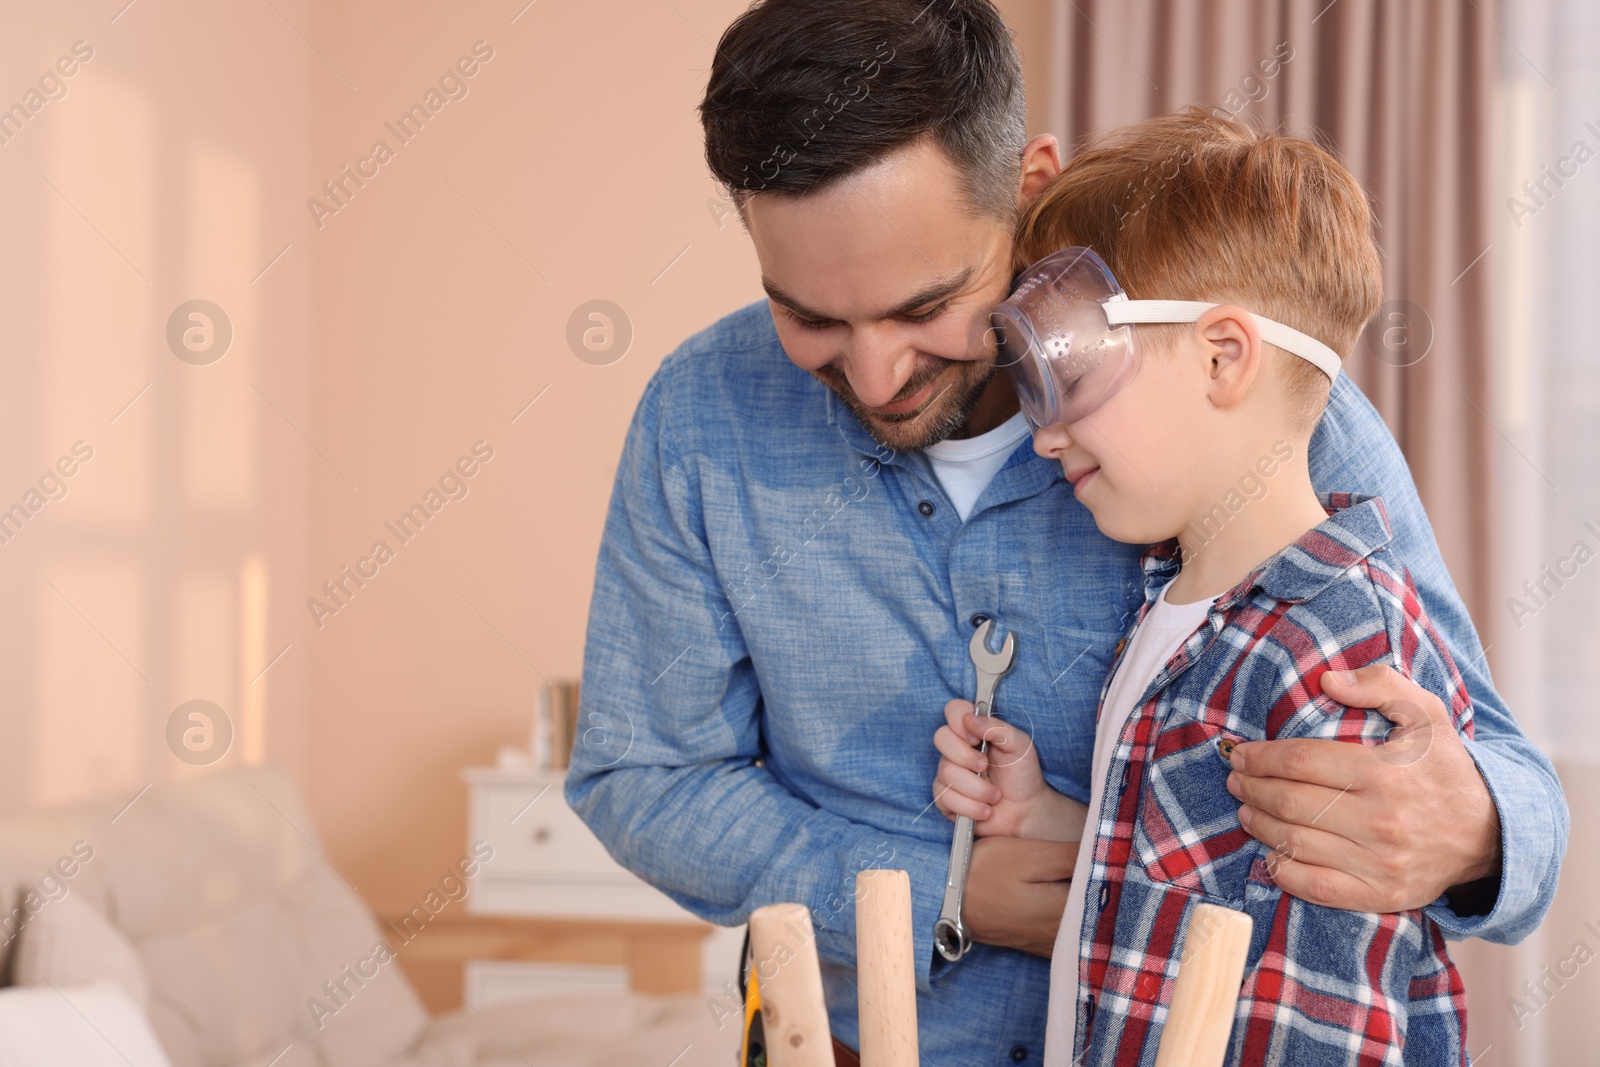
x=1402 y=91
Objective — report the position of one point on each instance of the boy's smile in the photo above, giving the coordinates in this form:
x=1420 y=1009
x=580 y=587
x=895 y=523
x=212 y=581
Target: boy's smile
x=1079 y=478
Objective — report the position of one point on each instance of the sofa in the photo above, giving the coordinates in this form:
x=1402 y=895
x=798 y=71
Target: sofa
x=208 y=910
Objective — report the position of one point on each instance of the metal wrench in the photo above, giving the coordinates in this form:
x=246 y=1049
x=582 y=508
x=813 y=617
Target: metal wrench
x=950 y=934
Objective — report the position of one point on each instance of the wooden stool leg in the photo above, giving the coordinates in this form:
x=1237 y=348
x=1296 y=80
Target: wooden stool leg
x=793 y=1014
x=886 y=973
x=1206 y=991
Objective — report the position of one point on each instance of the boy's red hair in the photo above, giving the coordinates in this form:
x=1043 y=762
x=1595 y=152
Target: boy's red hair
x=1199 y=206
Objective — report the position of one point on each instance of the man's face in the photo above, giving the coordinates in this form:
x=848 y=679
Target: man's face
x=881 y=284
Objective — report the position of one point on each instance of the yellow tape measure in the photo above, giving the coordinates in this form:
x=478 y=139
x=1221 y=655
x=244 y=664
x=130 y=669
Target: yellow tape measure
x=753 y=1051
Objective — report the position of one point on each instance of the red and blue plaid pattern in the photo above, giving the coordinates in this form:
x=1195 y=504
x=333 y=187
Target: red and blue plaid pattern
x=1322 y=986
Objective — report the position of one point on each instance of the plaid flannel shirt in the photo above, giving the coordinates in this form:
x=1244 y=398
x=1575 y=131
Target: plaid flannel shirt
x=1322 y=986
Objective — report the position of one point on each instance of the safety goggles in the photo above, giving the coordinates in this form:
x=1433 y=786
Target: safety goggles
x=1066 y=336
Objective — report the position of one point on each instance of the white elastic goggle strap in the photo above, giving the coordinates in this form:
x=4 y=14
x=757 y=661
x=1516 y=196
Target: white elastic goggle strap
x=1121 y=311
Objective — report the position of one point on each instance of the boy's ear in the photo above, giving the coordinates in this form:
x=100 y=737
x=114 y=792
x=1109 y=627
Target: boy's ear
x=1230 y=343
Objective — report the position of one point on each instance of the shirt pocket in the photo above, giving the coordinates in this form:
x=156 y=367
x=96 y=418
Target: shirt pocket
x=1187 y=833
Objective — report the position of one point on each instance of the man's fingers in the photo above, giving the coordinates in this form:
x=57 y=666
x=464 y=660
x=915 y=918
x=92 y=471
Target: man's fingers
x=1386 y=690
x=1374 y=680
x=1304 y=844
x=1414 y=812
x=1417 y=714
x=1335 y=764
x=1322 y=885
x=1409 y=742
x=1295 y=802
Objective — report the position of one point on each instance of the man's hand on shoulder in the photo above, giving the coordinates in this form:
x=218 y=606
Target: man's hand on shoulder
x=1372 y=828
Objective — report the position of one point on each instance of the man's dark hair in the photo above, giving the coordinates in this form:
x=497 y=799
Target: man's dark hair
x=805 y=92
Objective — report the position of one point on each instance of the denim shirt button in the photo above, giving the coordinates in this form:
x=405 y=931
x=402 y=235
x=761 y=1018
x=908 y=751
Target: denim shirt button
x=925 y=506
x=1019 y=1053
x=979 y=619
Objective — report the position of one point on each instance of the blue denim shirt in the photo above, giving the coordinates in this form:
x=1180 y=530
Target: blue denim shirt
x=781 y=611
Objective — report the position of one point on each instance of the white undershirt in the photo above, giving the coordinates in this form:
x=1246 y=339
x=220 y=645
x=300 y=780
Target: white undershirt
x=1164 y=630
x=966 y=467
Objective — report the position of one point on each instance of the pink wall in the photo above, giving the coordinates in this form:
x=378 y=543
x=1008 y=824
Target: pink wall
x=176 y=163
x=570 y=171
x=166 y=166
x=377 y=336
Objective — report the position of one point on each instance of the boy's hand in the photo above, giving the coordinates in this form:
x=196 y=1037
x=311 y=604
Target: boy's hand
x=1014 y=800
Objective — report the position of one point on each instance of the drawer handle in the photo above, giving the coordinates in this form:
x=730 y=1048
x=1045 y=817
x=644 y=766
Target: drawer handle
x=541 y=834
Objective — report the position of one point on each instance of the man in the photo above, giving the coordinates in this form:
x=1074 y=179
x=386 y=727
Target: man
x=820 y=497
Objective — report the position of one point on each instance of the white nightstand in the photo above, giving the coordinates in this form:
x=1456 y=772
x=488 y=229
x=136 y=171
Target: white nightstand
x=600 y=921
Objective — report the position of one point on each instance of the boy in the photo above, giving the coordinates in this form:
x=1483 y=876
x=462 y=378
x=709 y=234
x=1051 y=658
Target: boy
x=1253 y=253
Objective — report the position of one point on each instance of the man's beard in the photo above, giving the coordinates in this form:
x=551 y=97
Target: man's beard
x=943 y=416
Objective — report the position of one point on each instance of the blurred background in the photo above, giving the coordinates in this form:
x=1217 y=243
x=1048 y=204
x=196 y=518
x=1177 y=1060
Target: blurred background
x=242 y=342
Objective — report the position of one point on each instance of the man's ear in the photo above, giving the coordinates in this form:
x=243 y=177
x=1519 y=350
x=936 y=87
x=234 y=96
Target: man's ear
x=1230 y=343
x=1041 y=161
